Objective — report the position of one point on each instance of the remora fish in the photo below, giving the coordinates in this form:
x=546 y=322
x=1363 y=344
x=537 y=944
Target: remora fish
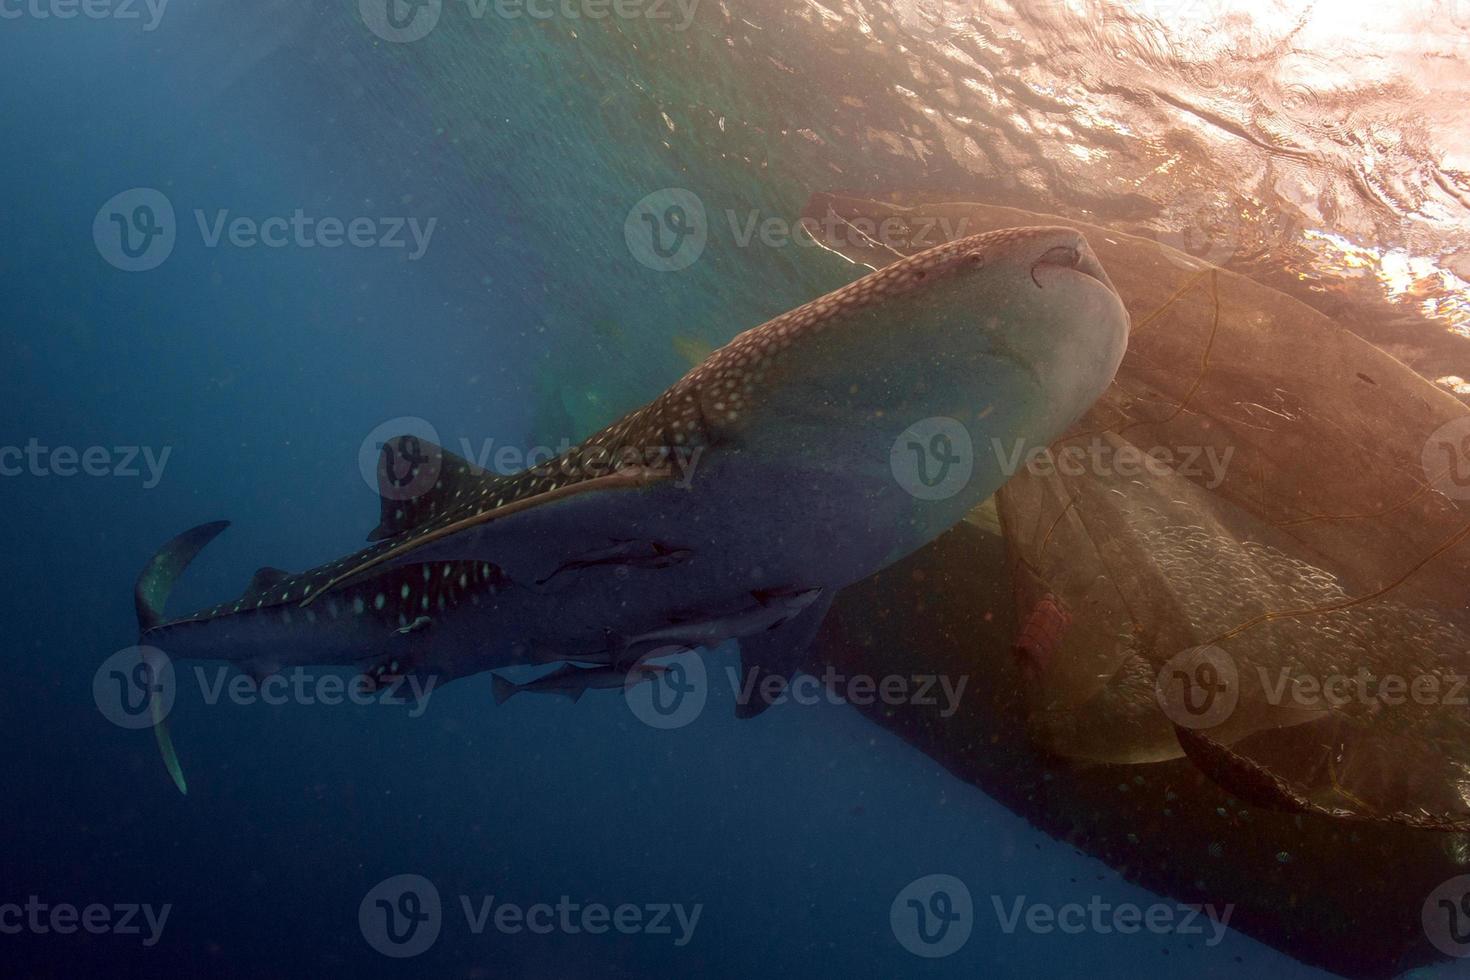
x=801 y=428
x=571 y=681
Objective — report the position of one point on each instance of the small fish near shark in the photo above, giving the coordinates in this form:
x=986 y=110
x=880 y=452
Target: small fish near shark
x=800 y=427
x=572 y=681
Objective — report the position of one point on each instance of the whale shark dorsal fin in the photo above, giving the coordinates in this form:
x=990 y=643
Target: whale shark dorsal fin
x=265 y=579
x=418 y=481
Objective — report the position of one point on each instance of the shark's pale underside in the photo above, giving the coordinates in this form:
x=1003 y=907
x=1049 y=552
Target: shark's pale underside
x=733 y=506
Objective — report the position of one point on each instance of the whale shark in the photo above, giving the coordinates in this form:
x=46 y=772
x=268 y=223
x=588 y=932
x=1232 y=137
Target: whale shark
x=734 y=506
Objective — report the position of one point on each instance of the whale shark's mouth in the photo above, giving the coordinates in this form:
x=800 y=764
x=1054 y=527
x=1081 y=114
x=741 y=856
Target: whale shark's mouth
x=1078 y=258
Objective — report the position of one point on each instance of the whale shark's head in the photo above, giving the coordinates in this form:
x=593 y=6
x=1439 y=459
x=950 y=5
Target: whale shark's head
x=1002 y=339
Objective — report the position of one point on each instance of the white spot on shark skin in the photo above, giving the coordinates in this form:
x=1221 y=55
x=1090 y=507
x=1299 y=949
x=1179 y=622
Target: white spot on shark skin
x=463 y=580
x=425 y=602
x=403 y=592
x=378 y=600
x=357 y=606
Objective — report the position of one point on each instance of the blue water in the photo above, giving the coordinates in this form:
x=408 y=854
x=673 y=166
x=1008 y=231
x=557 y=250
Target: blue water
x=260 y=371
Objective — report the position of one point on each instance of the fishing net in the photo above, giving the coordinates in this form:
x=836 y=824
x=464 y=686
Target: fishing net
x=1252 y=550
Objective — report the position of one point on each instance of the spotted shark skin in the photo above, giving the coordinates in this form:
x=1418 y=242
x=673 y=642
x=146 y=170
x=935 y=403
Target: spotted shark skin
x=787 y=430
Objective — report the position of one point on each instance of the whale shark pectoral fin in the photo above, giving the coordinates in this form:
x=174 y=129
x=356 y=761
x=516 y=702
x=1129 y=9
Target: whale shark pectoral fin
x=1249 y=780
x=777 y=653
x=419 y=481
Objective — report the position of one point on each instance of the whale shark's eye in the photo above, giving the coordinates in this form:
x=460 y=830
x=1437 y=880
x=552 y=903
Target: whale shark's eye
x=919 y=274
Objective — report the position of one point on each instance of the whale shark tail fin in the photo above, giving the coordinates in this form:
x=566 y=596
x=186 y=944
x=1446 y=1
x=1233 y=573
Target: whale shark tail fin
x=150 y=594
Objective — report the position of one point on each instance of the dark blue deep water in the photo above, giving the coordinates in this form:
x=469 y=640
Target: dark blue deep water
x=260 y=371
